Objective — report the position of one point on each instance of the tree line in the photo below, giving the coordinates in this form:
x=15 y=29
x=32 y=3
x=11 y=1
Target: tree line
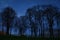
x=33 y=18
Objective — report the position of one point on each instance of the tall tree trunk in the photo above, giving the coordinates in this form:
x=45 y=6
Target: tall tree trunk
x=58 y=27
x=39 y=32
x=35 y=31
x=7 y=30
x=21 y=31
x=31 y=25
x=51 y=27
x=58 y=33
x=43 y=30
x=32 y=31
x=41 y=27
x=2 y=26
x=35 y=28
x=8 y=26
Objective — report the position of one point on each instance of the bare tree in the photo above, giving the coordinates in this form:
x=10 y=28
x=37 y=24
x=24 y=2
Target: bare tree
x=57 y=15
x=31 y=16
x=50 y=13
x=7 y=17
x=23 y=25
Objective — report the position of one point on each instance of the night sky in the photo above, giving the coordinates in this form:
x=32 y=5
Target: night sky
x=20 y=6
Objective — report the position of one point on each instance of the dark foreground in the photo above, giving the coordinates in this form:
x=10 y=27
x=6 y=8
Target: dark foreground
x=25 y=38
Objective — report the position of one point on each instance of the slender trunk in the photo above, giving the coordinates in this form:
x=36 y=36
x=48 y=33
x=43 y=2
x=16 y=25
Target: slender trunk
x=43 y=30
x=58 y=27
x=51 y=27
x=35 y=32
x=31 y=31
x=10 y=31
x=35 y=28
x=2 y=26
x=8 y=26
x=39 y=32
x=58 y=33
x=7 y=30
x=21 y=31
x=31 y=25
x=2 y=29
x=41 y=27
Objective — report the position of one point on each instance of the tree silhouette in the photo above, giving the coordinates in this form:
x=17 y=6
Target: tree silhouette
x=29 y=14
x=35 y=16
x=32 y=16
x=50 y=13
x=38 y=13
x=1 y=22
x=7 y=17
x=22 y=25
x=39 y=18
x=57 y=15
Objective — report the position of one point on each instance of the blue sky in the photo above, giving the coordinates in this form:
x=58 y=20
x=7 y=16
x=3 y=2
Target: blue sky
x=20 y=6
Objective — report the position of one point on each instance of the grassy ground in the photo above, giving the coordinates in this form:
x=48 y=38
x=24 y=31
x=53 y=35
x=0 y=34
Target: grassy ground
x=5 y=37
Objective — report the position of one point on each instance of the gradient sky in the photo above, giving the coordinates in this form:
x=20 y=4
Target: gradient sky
x=20 y=6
